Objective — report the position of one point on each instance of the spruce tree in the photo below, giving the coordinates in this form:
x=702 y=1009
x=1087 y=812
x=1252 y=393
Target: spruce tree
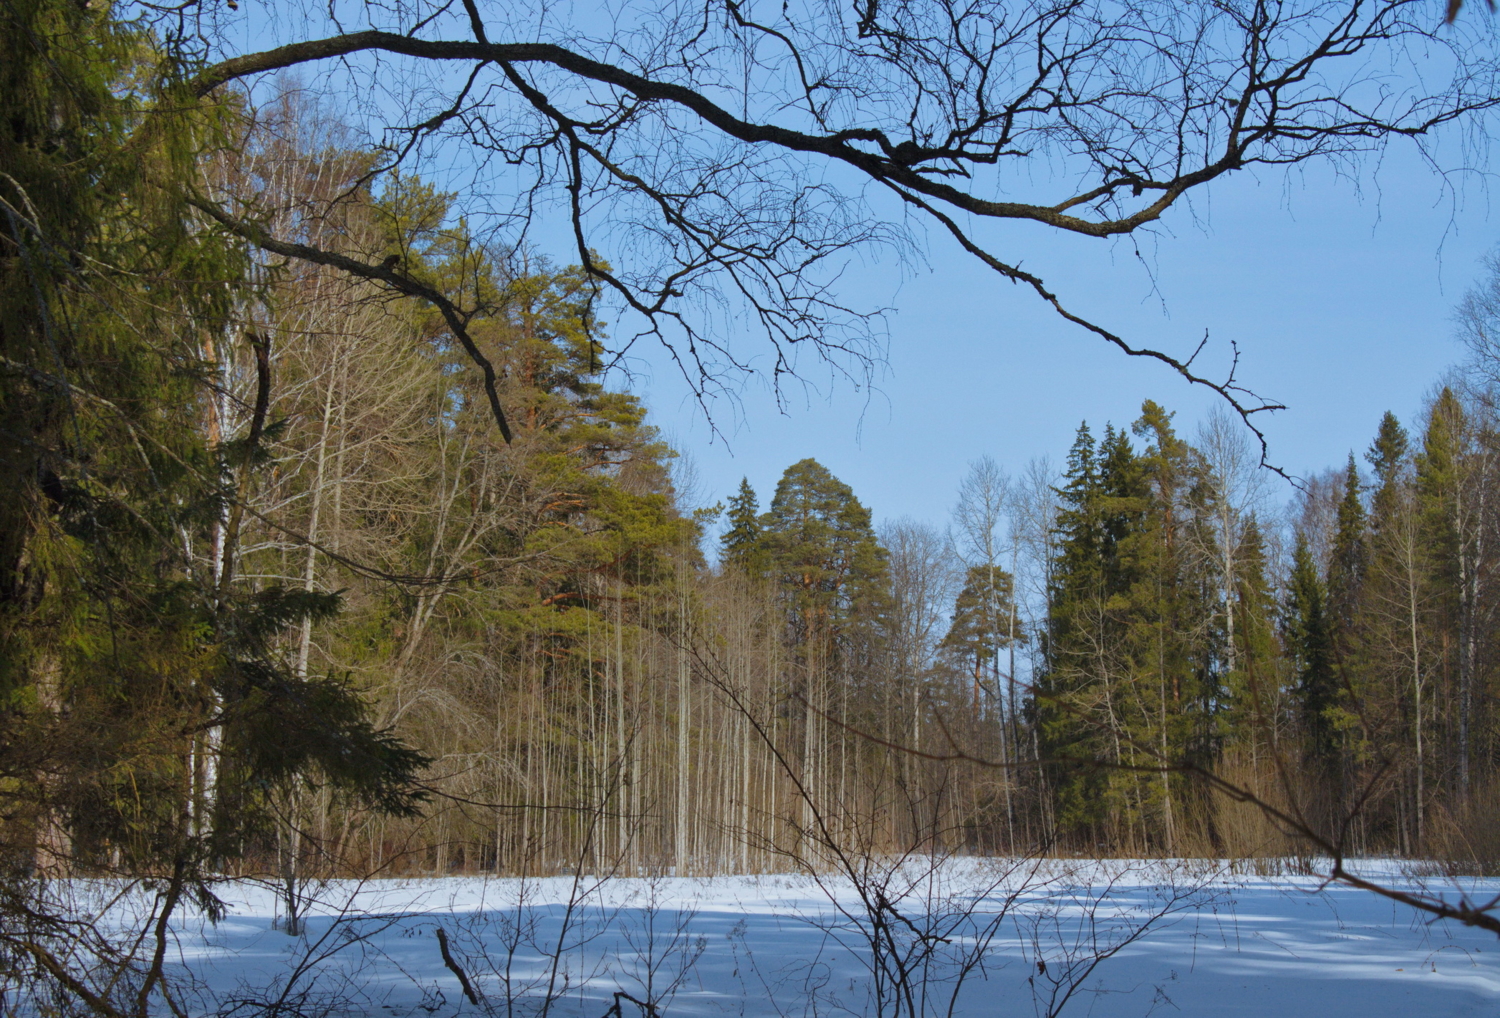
x=1442 y=517
x=1391 y=663
x=1437 y=483
x=1080 y=529
x=1080 y=705
x=151 y=717
x=1347 y=561
x=1306 y=634
x=742 y=545
x=1078 y=572
x=1387 y=457
x=1253 y=687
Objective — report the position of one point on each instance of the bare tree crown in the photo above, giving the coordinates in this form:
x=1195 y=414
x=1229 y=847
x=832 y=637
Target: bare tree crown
x=719 y=163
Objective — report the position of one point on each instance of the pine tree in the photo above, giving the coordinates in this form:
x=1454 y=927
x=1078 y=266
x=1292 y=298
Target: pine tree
x=1176 y=617
x=981 y=623
x=820 y=543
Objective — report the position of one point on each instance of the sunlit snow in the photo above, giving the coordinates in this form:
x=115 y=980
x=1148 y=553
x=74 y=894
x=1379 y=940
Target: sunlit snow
x=795 y=947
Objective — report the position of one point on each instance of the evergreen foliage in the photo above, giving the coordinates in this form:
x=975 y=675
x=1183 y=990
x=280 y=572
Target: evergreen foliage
x=1309 y=643
x=141 y=682
x=983 y=624
x=1346 y=565
x=743 y=543
x=274 y=596
x=820 y=545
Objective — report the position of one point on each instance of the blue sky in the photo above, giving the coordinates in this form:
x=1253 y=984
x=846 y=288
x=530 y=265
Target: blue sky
x=1339 y=294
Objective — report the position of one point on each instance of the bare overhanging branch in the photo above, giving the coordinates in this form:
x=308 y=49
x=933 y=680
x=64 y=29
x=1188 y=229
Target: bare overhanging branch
x=890 y=164
x=893 y=167
x=1153 y=100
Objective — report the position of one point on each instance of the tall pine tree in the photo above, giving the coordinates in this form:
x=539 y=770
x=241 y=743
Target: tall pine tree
x=821 y=545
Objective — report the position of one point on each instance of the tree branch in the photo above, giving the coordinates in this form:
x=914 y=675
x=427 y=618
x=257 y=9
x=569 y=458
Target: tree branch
x=456 y=320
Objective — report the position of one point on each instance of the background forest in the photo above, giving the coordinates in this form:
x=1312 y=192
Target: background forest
x=277 y=596
x=604 y=675
x=554 y=661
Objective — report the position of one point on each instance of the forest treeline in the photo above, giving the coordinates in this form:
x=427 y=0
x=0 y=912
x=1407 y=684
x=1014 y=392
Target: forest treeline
x=276 y=593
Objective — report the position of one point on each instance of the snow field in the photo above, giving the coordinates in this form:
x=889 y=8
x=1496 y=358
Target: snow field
x=796 y=947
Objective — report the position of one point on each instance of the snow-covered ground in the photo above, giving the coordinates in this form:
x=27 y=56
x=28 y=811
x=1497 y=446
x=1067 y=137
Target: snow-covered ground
x=792 y=947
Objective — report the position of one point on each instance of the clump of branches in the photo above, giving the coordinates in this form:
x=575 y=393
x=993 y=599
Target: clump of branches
x=719 y=163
